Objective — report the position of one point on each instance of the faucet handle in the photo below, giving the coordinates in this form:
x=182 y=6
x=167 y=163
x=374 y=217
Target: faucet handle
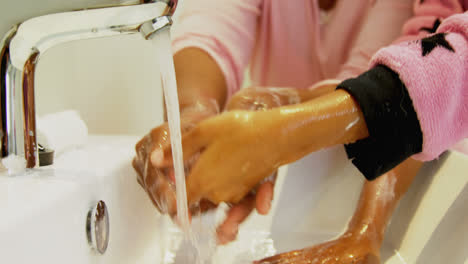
x=46 y=156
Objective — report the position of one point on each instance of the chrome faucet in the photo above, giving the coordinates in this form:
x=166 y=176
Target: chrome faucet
x=23 y=45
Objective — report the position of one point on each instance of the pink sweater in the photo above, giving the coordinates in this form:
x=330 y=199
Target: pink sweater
x=288 y=44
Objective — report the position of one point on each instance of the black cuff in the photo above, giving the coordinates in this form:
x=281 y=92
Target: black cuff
x=394 y=130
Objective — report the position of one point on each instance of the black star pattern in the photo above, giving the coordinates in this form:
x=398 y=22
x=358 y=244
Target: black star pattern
x=434 y=27
x=430 y=43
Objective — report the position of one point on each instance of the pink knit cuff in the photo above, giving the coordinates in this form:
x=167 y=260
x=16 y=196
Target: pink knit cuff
x=434 y=76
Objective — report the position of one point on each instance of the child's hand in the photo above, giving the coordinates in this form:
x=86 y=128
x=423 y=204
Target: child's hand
x=233 y=159
x=238 y=149
x=254 y=99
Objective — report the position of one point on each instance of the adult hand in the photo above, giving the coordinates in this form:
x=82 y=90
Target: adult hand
x=159 y=183
x=226 y=172
x=255 y=144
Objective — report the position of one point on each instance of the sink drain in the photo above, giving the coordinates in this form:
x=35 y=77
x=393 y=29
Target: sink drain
x=97 y=227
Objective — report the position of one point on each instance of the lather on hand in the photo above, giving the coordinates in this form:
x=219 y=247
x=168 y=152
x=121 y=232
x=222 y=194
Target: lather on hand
x=241 y=148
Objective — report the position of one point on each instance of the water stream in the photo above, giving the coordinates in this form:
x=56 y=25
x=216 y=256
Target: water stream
x=166 y=66
x=197 y=241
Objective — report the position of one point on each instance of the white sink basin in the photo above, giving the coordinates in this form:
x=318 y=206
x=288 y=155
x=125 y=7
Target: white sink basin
x=316 y=197
x=44 y=211
x=429 y=226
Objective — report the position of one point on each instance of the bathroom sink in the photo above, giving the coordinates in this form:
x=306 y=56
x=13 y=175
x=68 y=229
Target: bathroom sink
x=315 y=197
x=44 y=211
x=429 y=226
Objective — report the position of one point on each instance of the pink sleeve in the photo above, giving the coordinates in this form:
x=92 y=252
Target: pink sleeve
x=417 y=21
x=435 y=72
x=371 y=37
x=225 y=29
x=428 y=15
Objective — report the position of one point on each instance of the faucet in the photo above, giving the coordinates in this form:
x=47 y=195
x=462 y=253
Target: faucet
x=23 y=45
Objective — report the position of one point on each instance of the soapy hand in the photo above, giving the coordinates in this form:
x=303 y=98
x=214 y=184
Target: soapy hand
x=259 y=142
x=254 y=99
x=232 y=129
x=241 y=148
x=224 y=171
x=253 y=126
x=159 y=183
x=352 y=247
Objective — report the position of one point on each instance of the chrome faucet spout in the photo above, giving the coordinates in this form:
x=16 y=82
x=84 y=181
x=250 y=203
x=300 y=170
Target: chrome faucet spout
x=23 y=46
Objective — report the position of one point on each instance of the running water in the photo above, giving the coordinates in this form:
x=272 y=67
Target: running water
x=166 y=66
x=197 y=244
x=195 y=252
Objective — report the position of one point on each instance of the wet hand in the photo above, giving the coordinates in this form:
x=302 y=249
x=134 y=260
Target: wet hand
x=254 y=99
x=255 y=144
x=224 y=171
x=159 y=182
